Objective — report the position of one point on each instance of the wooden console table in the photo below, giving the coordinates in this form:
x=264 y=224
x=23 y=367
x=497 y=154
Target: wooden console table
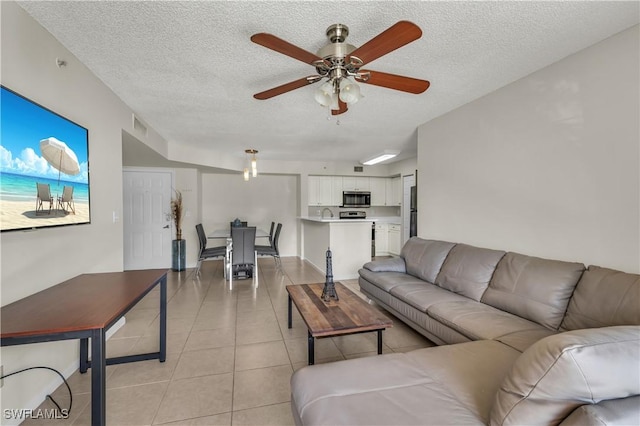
x=84 y=308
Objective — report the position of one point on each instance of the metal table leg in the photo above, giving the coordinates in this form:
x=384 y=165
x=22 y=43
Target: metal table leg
x=289 y=320
x=311 y=348
x=84 y=355
x=98 y=378
x=379 y=342
x=163 y=319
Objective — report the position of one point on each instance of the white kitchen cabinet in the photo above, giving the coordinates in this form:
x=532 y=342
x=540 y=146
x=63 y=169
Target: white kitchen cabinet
x=336 y=190
x=355 y=183
x=378 y=190
x=382 y=239
x=394 y=191
x=394 y=244
x=321 y=191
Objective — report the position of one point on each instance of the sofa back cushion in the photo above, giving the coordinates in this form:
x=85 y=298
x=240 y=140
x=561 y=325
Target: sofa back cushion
x=604 y=297
x=561 y=372
x=468 y=270
x=533 y=288
x=424 y=258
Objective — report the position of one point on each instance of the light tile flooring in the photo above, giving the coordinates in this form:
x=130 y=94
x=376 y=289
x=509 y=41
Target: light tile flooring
x=230 y=353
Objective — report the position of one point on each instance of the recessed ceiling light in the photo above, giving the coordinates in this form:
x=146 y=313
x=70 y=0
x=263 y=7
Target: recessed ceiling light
x=378 y=158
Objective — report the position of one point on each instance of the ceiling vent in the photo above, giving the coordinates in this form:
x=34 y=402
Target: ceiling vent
x=359 y=169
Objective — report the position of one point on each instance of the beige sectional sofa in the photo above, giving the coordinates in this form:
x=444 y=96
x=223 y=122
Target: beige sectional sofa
x=524 y=340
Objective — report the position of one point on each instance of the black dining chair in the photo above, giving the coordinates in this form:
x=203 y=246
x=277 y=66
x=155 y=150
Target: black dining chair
x=273 y=225
x=243 y=253
x=242 y=224
x=273 y=249
x=207 y=253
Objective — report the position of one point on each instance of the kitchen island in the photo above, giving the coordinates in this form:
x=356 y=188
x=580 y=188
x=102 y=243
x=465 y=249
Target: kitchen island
x=349 y=240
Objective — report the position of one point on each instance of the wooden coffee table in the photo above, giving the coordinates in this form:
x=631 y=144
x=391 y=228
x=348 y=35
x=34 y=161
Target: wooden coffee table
x=349 y=315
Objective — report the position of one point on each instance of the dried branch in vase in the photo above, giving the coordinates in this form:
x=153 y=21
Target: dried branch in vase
x=177 y=213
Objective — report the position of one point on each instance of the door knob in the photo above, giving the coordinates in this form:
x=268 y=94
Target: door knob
x=165 y=227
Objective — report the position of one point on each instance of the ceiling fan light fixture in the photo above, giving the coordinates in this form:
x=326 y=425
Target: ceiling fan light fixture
x=324 y=94
x=349 y=91
x=335 y=105
x=380 y=157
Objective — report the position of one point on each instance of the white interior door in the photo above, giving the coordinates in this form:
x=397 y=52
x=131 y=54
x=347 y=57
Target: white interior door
x=407 y=182
x=147 y=226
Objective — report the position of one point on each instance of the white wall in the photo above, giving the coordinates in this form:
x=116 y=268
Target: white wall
x=404 y=167
x=259 y=201
x=33 y=261
x=546 y=166
x=187 y=181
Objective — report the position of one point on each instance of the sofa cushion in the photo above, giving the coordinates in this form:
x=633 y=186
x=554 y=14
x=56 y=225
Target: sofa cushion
x=533 y=288
x=388 y=280
x=625 y=411
x=452 y=384
x=478 y=321
x=395 y=264
x=421 y=296
x=604 y=297
x=522 y=339
x=561 y=372
x=468 y=270
x=424 y=258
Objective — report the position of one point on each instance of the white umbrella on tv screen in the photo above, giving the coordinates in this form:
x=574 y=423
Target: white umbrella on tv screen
x=60 y=156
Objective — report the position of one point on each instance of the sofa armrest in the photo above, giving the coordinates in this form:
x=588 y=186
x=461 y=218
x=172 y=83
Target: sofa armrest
x=395 y=264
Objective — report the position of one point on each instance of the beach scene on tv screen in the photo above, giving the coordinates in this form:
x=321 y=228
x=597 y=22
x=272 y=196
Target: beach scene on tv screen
x=44 y=167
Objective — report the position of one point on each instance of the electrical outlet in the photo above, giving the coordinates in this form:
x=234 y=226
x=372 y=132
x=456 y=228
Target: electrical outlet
x=1 y=374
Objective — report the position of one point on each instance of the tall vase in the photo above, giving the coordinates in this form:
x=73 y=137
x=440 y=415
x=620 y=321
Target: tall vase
x=178 y=254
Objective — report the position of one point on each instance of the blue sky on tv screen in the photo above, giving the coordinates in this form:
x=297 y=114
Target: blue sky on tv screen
x=24 y=125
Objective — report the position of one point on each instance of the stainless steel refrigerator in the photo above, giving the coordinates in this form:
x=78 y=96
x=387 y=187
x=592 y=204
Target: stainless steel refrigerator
x=413 y=215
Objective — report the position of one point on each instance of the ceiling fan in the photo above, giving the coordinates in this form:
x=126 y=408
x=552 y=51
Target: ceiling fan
x=340 y=64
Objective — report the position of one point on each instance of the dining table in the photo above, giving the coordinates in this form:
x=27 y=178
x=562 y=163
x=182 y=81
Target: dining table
x=225 y=234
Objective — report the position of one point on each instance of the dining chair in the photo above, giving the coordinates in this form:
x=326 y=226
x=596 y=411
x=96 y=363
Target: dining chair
x=207 y=253
x=242 y=225
x=273 y=249
x=243 y=253
x=43 y=196
x=273 y=225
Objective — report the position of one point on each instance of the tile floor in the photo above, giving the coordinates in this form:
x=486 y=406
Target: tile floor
x=230 y=353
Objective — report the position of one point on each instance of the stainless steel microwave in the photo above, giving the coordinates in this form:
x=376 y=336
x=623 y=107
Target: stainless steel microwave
x=356 y=199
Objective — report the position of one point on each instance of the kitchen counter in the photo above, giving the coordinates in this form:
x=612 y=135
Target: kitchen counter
x=349 y=240
x=333 y=219
x=381 y=219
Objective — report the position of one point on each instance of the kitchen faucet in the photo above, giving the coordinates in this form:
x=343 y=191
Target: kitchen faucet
x=323 y=210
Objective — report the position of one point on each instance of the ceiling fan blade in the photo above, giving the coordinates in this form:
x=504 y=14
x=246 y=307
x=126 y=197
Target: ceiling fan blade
x=395 y=82
x=274 y=43
x=343 y=108
x=287 y=87
x=394 y=37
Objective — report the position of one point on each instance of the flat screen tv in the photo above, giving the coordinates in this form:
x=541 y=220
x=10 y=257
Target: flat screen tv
x=44 y=166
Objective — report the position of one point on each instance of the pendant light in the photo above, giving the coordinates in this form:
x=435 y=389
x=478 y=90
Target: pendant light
x=254 y=164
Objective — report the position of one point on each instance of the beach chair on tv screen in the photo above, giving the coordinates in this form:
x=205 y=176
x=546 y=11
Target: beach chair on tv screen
x=65 y=202
x=44 y=196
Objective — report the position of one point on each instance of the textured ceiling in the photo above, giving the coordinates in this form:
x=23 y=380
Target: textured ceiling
x=189 y=69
